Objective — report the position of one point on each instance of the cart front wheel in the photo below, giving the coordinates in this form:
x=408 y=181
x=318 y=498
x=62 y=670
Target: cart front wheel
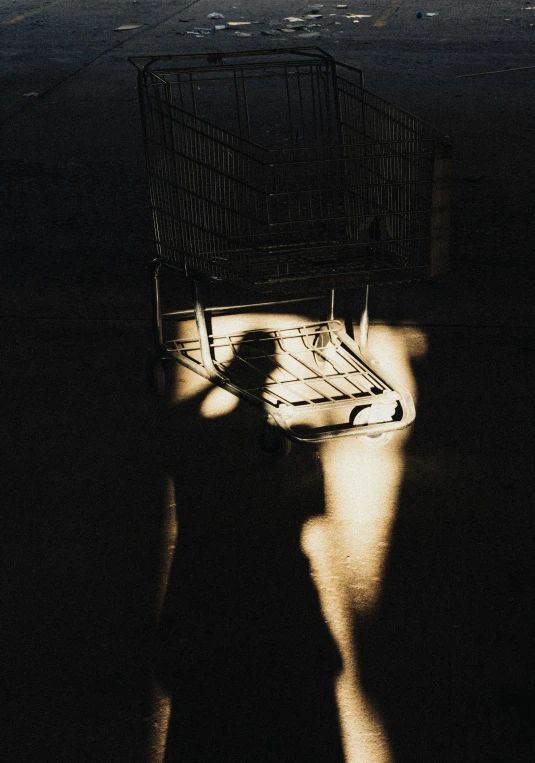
x=272 y=441
x=376 y=439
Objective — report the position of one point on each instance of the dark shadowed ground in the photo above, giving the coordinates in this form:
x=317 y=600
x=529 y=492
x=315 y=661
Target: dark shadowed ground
x=90 y=459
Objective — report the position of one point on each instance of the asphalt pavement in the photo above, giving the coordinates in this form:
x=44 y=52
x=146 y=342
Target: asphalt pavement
x=170 y=594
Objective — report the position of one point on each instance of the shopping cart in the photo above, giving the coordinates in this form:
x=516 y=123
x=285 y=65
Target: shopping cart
x=278 y=172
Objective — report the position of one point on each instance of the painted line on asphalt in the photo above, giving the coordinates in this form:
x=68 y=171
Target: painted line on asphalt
x=386 y=14
x=24 y=16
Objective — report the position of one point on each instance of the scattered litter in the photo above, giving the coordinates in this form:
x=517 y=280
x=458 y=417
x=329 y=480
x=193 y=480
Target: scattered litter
x=29 y=95
x=238 y=23
x=270 y=32
x=219 y=27
x=358 y=15
x=497 y=71
x=312 y=16
x=419 y=14
x=127 y=27
x=293 y=19
x=243 y=34
x=341 y=6
x=310 y=35
x=287 y=29
x=432 y=14
x=199 y=31
x=356 y=21
x=215 y=16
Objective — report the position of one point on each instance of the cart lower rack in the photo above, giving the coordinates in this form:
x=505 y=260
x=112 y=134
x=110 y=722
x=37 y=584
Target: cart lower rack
x=279 y=172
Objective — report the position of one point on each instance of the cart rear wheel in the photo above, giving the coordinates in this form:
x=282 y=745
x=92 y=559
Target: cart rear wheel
x=271 y=440
x=155 y=374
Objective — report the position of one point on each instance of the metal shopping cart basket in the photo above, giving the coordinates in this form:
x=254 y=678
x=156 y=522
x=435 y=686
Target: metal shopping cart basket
x=277 y=171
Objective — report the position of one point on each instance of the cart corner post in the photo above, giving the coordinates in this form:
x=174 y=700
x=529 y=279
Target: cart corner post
x=440 y=211
x=157 y=329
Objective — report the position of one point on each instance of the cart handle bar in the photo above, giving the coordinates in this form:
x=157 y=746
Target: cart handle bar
x=217 y=57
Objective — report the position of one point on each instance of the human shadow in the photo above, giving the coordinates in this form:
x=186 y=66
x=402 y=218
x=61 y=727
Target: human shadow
x=444 y=657
x=243 y=649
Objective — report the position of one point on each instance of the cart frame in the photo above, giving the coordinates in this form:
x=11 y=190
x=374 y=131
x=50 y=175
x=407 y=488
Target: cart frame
x=361 y=227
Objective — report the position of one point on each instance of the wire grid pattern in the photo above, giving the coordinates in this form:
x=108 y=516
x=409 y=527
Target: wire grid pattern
x=312 y=182
x=295 y=367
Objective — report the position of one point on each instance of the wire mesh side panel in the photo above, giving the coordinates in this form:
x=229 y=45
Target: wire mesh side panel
x=361 y=210
x=391 y=189
x=289 y=176
x=205 y=183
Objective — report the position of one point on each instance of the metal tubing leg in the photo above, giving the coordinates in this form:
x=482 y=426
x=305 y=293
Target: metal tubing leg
x=363 y=333
x=157 y=330
x=204 y=339
x=331 y=312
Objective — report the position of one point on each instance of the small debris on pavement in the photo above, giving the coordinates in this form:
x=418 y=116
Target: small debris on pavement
x=432 y=14
x=29 y=95
x=127 y=27
x=341 y=6
x=309 y=35
x=292 y=19
x=199 y=31
x=215 y=16
x=243 y=34
x=238 y=23
x=312 y=16
x=419 y=14
x=219 y=27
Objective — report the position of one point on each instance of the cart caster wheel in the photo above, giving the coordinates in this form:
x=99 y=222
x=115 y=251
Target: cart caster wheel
x=377 y=439
x=273 y=442
x=155 y=374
